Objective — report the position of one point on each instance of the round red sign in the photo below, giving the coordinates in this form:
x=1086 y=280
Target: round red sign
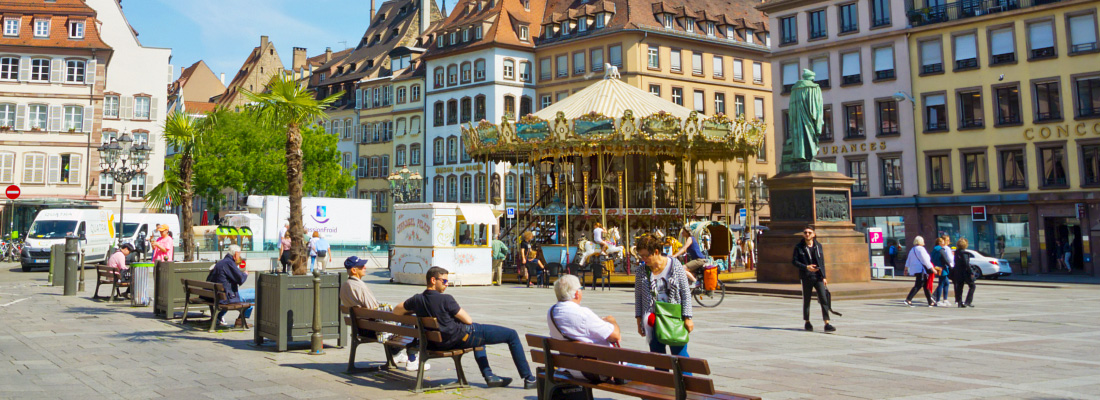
x=12 y=192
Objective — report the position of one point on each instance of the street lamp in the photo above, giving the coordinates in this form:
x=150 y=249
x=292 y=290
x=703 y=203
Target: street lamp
x=123 y=161
x=757 y=196
x=405 y=185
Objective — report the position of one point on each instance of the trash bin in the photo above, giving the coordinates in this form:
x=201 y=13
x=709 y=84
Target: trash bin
x=141 y=284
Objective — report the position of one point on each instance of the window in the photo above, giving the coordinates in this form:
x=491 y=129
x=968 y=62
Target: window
x=678 y=95
x=414 y=93
x=757 y=72
x=817 y=24
x=479 y=70
x=1053 y=166
x=467 y=72
x=510 y=187
x=939 y=173
x=7 y=115
x=826 y=124
x=849 y=68
x=615 y=55
x=563 y=66
x=11 y=26
x=891 y=176
x=790 y=76
x=1048 y=105
x=106 y=185
x=582 y=24
x=524 y=105
x=698 y=101
x=1041 y=39
x=525 y=71
x=7 y=167
x=1090 y=165
x=970 y=109
x=739 y=105
x=34 y=168
x=76 y=30
x=1013 y=168
x=849 y=18
x=74 y=119
x=578 y=63
x=1088 y=96
x=600 y=19
x=710 y=29
x=1008 y=105
x=452 y=150
x=467 y=110
x=884 y=63
x=439 y=77
x=1082 y=33
x=414 y=154
x=510 y=106
x=880 y=13
x=477 y=33
x=966 y=51
x=723 y=186
x=935 y=113
x=820 y=67
x=976 y=171
x=564 y=28
x=719 y=103
x=718 y=69
x=931 y=57
x=452 y=75
x=653 y=57
x=41 y=28
x=758 y=108
x=479 y=107
x=545 y=101
x=668 y=20
x=452 y=112
x=509 y=69
x=440 y=189
x=697 y=63
x=545 y=70
x=853 y=121
x=524 y=33
x=438 y=114
x=9 y=68
x=655 y=90
x=701 y=191
x=40 y=70
x=730 y=35
x=789 y=33
x=36 y=116
x=738 y=70
x=1002 y=46
x=888 y=118
x=674 y=60
x=689 y=25
x=142 y=106
x=596 y=56
x=467 y=188
x=857 y=169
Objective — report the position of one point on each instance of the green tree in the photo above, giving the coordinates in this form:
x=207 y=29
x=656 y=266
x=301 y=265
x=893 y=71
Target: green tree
x=185 y=133
x=288 y=105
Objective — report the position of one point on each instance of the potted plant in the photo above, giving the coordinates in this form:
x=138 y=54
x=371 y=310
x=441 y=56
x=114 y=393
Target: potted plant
x=36 y=129
x=72 y=130
x=5 y=128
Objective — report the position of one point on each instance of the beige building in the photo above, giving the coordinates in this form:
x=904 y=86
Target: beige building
x=262 y=63
x=191 y=92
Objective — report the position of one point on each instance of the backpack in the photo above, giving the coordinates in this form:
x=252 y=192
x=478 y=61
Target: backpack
x=937 y=257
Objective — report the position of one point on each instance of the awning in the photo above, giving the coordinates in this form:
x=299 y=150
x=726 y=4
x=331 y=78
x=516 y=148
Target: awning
x=478 y=214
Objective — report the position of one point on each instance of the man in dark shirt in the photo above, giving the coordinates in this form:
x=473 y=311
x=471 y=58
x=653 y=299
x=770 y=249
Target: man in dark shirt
x=459 y=330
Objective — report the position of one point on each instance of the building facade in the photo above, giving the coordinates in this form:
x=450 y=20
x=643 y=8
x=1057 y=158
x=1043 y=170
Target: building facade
x=262 y=63
x=859 y=54
x=1011 y=123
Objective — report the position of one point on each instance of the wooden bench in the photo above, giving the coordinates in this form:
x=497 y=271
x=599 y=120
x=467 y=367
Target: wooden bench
x=644 y=382
x=109 y=276
x=426 y=330
x=211 y=294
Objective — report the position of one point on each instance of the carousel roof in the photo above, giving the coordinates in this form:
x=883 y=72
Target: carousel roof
x=611 y=96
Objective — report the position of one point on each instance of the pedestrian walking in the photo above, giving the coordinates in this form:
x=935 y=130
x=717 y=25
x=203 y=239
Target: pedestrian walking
x=1067 y=255
x=809 y=258
x=322 y=250
x=947 y=263
x=284 y=251
x=919 y=264
x=500 y=252
x=164 y=246
x=524 y=247
x=660 y=279
x=536 y=268
x=963 y=275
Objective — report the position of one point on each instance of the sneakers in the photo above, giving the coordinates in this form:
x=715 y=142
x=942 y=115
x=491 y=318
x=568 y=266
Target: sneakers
x=530 y=383
x=809 y=326
x=494 y=381
x=909 y=303
x=829 y=328
x=401 y=357
x=221 y=321
x=414 y=365
x=961 y=305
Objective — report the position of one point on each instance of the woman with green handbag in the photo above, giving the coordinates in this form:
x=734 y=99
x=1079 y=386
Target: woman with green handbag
x=662 y=299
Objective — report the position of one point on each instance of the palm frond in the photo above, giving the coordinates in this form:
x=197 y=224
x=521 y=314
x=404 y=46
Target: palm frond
x=169 y=188
x=287 y=102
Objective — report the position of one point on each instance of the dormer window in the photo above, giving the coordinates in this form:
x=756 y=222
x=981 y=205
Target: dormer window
x=729 y=33
x=465 y=35
x=710 y=29
x=76 y=30
x=749 y=33
x=477 y=33
x=668 y=20
x=439 y=41
x=41 y=28
x=526 y=5
x=524 y=33
x=11 y=26
x=599 y=19
x=689 y=25
x=565 y=28
x=582 y=24
x=454 y=38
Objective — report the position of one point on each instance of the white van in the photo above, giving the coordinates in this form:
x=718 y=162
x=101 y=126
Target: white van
x=51 y=226
x=139 y=226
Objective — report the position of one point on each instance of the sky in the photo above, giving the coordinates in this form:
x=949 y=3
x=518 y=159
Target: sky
x=223 y=32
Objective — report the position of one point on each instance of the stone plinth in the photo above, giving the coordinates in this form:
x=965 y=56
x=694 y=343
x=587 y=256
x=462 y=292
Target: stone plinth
x=821 y=199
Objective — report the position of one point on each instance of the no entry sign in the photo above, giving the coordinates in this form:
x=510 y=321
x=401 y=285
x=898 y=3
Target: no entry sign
x=12 y=192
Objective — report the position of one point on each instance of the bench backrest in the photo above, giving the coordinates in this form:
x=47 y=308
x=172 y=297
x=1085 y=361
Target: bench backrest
x=385 y=321
x=606 y=361
x=107 y=274
x=205 y=289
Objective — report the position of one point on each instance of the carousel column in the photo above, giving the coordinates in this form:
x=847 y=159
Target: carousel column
x=568 y=193
x=601 y=172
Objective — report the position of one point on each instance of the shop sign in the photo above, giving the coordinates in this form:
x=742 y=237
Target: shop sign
x=1062 y=131
x=977 y=213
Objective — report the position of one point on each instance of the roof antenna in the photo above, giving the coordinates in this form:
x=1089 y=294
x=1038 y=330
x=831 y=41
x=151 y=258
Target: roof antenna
x=345 y=43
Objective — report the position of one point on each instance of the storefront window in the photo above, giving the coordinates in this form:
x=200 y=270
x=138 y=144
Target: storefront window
x=470 y=235
x=892 y=227
x=1000 y=235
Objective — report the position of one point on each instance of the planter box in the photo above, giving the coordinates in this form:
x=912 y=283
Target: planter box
x=168 y=290
x=284 y=308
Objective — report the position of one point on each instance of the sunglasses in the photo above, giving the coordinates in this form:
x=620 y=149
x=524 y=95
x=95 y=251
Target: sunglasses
x=445 y=282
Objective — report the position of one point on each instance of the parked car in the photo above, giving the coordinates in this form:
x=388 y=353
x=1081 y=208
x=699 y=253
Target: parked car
x=986 y=266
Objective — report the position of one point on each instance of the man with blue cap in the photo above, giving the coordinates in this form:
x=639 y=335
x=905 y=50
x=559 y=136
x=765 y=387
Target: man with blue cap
x=355 y=293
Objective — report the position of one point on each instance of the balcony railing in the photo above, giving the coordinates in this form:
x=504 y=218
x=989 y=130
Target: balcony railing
x=968 y=63
x=1008 y=119
x=971 y=123
x=920 y=13
x=1088 y=112
x=931 y=68
x=884 y=74
x=1047 y=116
x=852 y=79
x=1003 y=58
x=824 y=83
x=1083 y=47
x=787 y=88
x=1045 y=52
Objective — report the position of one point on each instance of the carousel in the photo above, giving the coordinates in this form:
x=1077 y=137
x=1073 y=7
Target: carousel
x=612 y=161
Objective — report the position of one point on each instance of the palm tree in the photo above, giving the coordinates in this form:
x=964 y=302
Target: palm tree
x=288 y=105
x=185 y=134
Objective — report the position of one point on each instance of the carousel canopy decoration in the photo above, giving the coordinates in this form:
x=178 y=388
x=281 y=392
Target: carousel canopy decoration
x=604 y=118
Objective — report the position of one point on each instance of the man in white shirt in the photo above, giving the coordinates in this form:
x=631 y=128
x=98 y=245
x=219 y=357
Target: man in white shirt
x=568 y=320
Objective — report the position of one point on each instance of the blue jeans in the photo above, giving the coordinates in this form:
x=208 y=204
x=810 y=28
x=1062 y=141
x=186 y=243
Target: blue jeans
x=658 y=347
x=481 y=335
x=944 y=284
x=312 y=260
x=247 y=296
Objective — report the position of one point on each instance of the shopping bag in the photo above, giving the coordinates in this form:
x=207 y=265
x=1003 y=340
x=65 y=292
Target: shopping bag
x=931 y=280
x=710 y=277
x=669 y=325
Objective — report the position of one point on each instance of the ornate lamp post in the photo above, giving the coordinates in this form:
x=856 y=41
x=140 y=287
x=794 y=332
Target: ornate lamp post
x=755 y=198
x=405 y=186
x=123 y=161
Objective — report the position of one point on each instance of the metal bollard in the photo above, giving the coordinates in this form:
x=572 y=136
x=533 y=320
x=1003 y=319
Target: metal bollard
x=317 y=341
x=80 y=288
x=71 y=254
x=1024 y=261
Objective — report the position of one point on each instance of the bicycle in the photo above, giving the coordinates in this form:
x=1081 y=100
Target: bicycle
x=708 y=298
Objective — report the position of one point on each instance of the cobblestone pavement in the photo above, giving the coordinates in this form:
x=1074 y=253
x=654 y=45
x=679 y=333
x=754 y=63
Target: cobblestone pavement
x=1021 y=342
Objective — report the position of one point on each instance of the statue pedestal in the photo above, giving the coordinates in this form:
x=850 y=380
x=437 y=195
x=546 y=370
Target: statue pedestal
x=821 y=199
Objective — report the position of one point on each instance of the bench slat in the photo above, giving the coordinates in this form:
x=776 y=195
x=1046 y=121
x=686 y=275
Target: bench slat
x=363 y=312
x=612 y=354
x=660 y=378
x=200 y=292
x=384 y=327
x=200 y=284
x=429 y=323
x=645 y=390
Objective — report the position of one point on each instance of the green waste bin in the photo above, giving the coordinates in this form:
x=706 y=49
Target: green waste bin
x=141 y=284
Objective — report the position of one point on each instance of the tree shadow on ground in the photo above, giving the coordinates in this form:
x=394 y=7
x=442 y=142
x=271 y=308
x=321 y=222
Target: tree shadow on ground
x=399 y=380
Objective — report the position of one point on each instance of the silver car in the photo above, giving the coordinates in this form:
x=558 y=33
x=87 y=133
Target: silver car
x=986 y=266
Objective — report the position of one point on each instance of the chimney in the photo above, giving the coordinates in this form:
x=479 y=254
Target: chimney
x=444 y=9
x=299 y=58
x=263 y=41
x=223 y=78
x=425 y=15
x=372 y=11
x=328 y=54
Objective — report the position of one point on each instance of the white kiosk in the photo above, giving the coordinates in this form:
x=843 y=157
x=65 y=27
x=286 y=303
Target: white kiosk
x=449 y=235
